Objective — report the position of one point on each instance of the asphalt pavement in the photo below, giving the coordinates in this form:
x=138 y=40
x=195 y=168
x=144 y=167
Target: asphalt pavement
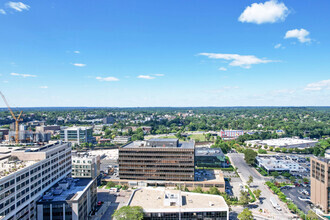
x=244 y=172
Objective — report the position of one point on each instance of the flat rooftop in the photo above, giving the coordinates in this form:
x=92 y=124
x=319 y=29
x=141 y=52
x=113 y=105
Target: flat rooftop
x=66 y=189
x=204 y=151
x=143 y=144
x=153 y=200
x=283 y=142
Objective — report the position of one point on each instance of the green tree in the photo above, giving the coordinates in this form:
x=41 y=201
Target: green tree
x=214 y=191
x=245 y=215
x=250 y=180
x=250 y=156
x=244 y=198
x=311 y=215
x=292 y=179
x=128 y=213
x=275 y=174
x=111 y=184
x=257 y=193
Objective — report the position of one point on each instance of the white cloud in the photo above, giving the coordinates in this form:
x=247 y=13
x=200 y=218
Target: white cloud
x=76 y=51
x=317 y=86
x=79 y=64
x=145 y=77
x=158 y=74
x=301 y=35
x=277 y=46
x=2 y=12
x=43 y=87
x=268 y=12
x=223 y=69
x=244 y=61
x=18 y=6
x=107 y=79
x=22 y=75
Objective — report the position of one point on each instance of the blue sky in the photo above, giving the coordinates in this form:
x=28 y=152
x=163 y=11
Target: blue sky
x=165 y=53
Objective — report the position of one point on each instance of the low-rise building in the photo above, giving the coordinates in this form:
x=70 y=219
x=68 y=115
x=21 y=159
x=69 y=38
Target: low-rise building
x=283 y=142
x=209 y=157
x=279 y=164
x=159 y=203
x=48 y=129
x=122 y=139
x=108 y=120
x=69 y=199
x=77 y=135
x=231 y=134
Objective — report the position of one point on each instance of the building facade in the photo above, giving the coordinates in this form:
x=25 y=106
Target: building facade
x=157 y=159
x=85 y=165
x=231 y=133
x=25 y=174
x=319 y=174
x=77 y=135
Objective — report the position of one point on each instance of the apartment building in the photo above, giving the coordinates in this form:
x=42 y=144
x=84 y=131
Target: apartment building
x=159 y=203
x=26 y=173
x=85 y=165
x=73 y=199
x=157 y=159
x=319 y=174
x=77 y=135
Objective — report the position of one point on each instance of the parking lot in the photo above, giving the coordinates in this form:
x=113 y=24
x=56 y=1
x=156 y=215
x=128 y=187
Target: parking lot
x=299 y=197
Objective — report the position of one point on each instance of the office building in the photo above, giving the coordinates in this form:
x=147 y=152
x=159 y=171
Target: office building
x=26 y=173
x=85 y=165
x=159 y=203
x=73 y=199
x=77 y=135
x=108 y=120
x=48 y=129
x=157 y=159
x=319 y=174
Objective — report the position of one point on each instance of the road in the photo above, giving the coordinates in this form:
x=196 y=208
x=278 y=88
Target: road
x=244 y=171
x=116 y=202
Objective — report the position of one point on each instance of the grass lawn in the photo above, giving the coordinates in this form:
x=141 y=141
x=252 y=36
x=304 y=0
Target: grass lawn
x=200 y=137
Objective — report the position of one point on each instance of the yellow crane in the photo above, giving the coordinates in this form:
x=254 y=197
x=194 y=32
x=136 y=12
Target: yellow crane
x=17 y=119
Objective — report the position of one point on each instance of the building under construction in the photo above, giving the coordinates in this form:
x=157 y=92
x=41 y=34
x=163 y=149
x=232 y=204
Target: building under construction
x=157 y=159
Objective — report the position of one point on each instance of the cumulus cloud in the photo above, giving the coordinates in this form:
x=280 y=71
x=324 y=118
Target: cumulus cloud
x=3 y=12
x=301 y=35
x=317 y=86
x=22 y=75
x=268 y=12
x=107 y=79
x=43 y=87
x=76 y=51
x=223 y=69
x=79 y=64
x=145 y=77
x=244 y=61
x=18 y=6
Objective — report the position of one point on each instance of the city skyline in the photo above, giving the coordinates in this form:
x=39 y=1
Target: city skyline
x=173 y=54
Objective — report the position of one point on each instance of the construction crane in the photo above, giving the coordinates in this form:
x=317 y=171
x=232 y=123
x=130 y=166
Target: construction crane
x=17 y=119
